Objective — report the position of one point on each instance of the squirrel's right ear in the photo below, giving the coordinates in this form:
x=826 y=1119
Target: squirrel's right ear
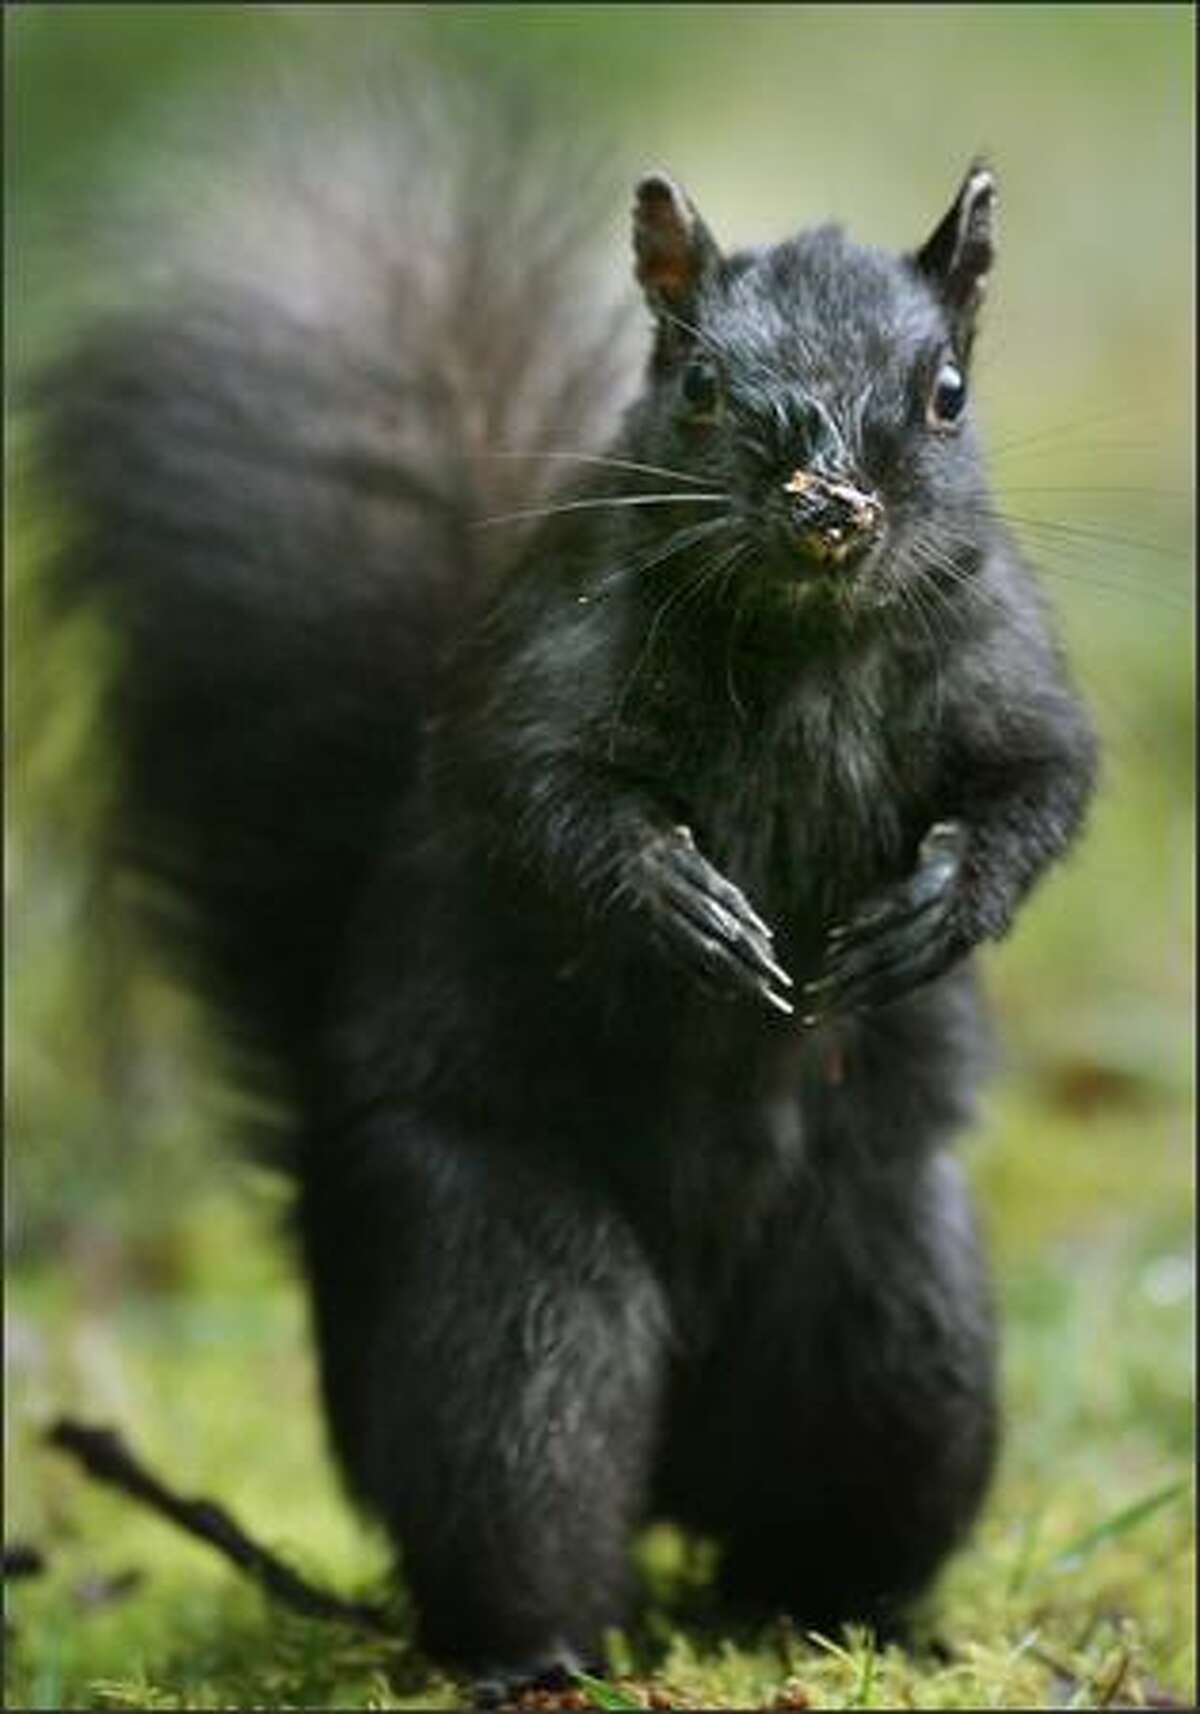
x=957 y=258
x=673 y=249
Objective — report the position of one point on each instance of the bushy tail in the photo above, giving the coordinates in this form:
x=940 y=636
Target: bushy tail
x=270 y=456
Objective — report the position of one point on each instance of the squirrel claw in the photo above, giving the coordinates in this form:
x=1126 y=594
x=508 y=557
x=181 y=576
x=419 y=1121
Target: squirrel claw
x=899 y=939
x=706 y=922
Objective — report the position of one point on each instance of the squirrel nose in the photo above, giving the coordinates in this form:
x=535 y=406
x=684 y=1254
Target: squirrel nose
x=831 y=518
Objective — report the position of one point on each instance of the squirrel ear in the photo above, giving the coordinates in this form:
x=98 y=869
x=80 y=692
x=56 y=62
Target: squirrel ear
x=957 y=257
x=673 y=248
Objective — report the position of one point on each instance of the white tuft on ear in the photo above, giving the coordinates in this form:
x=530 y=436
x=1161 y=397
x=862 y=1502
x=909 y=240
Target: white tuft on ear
x=957 y=258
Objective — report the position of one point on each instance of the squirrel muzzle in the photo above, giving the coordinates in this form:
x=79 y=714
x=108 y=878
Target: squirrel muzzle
x=831 y=519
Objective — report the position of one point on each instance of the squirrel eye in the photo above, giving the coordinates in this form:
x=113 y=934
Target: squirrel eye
x=948 y=397
x=701 y=387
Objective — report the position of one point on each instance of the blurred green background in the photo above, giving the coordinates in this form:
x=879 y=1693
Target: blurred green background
x=148 y=1282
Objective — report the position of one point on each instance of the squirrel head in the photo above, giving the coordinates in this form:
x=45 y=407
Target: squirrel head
x=820 y=383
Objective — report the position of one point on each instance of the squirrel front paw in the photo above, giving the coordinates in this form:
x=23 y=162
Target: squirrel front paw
x=705 y=923
x=899 y=939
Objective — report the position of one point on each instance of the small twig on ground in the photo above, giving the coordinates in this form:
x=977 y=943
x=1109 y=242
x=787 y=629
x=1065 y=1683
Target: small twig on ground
x=1070 y=1684
x=104 y=1456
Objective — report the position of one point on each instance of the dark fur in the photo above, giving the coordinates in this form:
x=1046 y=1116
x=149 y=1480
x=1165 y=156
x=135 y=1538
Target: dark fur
x=591 y=1237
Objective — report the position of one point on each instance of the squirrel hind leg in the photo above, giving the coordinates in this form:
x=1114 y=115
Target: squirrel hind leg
x=493 y=1358
x=856 y=1380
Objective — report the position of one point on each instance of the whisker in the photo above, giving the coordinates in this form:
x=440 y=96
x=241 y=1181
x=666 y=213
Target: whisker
x=1064 y=432
x=936 y=557
x=742 y=550
x=1097 y=488
x=909 y=591
x=689 y=587
x=1080 y=532
x=932 y=599
x=1133 y=590
x=608 y=463
x=686 y=537
x=1133 y=587
x=616 y=500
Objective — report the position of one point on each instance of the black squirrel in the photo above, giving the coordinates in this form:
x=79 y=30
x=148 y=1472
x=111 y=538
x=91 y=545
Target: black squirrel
x=595 y=870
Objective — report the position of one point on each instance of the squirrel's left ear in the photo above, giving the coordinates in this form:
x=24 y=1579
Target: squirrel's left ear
x=673 y=249
x=957 y=257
